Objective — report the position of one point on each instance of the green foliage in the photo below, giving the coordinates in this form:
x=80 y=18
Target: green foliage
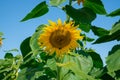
x=56 y=2
x=115 y=28
x=83 y=16
x=9 y=67
x=76 y=67
x=8 y=55
x=88 y=39
x=33 y=42
x=113 y=35
x=99 y=31
x=113 y=62
x=95 y=5
x=1 y=34
x=79 y=64
x=97 y=61
x=113 y=58
x=25 y=47
x=114 y=13
x=38 y=11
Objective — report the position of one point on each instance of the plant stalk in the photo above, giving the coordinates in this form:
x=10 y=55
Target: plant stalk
x=67 y=16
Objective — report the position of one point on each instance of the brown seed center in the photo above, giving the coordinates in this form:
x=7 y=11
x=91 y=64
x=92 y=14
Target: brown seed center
x=60 y=38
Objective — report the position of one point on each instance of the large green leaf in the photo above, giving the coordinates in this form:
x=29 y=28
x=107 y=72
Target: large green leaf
x=113 y=35
x=38 y=11
x=22 y=74
x=51 y=63
x=8 y=55
x=115 y=13
x=88 y=39
x=107 y=77
x=95 y=5
x=56 y=2
x=34 y=40
x=113 y=60
x=40 y=27
x=31 y=72
x=99 y=31
x=83 y=16
x=115 y=27
x=97 y=61
x=85 y=27
x=25 y=47
x=107 y=38
x=76 y=67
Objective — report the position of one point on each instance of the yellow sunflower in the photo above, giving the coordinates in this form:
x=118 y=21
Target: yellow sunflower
x=0 y=41
x=59 y=37
x=79 y=1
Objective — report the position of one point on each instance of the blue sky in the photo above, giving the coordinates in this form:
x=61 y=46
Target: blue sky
x=12 y=11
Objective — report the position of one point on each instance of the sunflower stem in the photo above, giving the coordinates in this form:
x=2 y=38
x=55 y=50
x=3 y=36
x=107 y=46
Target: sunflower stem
x=58 y=68
x=67 y=16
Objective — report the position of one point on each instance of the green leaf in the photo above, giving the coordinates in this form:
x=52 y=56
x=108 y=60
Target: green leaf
x=85 y=27
x=114 y=49
x=114 y=13
x=99 y=31
x=115 y=27
x=107 y=38
x=106 y=76
x=89 y=39
x=25 y=47
x=8 y=55
x=82 y=15
x=22 y=74
x=34 y=39
x=98 y=73
x=95 y=5
x=34 y=43
x=1 y=34
x=113 y=60
x=6 y=62
x=50 y=73
x=97 y=61
x=113 y=35
x=56 y=2
x=51 y=63
x=117 y=74
x=78 y=66
x=70 y=76
x=12 y=50
x=40 y=27
x=31 y=73
x=38 y=11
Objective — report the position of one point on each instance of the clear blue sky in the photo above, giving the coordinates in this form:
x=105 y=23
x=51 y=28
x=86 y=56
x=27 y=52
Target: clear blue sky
x=12 y=11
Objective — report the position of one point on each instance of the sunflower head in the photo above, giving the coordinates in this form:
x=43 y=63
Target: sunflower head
x=0 y=41
x=59 y=37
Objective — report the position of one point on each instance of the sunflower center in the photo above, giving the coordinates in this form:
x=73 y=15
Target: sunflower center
x=60 y=38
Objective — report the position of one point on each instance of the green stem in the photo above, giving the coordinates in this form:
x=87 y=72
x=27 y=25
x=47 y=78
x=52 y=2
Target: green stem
x=58 y=73
x=58 y=68
x=67 y=16
x=70 y=2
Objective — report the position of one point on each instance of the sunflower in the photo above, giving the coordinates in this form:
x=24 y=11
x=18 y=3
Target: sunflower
x=0 y=41
x=59 y=37
x=79 y=1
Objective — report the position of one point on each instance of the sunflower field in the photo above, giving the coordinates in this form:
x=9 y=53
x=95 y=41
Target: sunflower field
x=57 y=50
